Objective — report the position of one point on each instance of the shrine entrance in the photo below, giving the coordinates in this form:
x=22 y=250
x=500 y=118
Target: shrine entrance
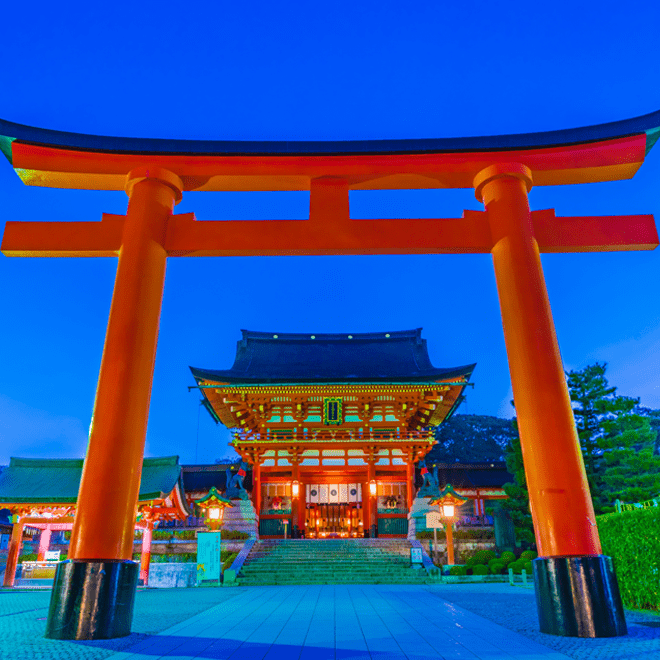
x=333 y=511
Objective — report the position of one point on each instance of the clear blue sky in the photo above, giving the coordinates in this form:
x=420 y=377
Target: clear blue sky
x=342 y=70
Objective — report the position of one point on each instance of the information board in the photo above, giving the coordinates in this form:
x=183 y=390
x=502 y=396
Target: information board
x=208 y=556
x=52 y=555
x=416 y=556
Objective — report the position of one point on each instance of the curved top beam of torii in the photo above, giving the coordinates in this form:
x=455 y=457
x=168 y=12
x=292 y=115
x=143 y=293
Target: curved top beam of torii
x=605 y=152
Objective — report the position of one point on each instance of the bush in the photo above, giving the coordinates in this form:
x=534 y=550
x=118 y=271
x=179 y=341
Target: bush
x=228 y=561
x=517 y=566
x=529 y=555
x=479 y=569
x=496 y=567
x=507 y=557
x=481 y=557
x=528 y=567
x=28 y=556
x=457 y=570
x=632 y=539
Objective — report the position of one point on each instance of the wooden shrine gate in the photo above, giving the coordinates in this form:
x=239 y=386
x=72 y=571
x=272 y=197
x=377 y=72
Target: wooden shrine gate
x=501 y=170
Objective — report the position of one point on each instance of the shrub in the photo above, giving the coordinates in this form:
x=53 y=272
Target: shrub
x=457 y=570
x=517 y=566
x=479 y=569
x=507 y=557
x=28 y=556
x=529 y=555
x=632 y=539
x=495 y=561
x=496 y=567
x=528 y=567
x=229 y=560
x=481 y=557
x=233 y=534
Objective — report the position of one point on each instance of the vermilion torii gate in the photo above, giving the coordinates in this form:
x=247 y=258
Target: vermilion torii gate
x=577 y=592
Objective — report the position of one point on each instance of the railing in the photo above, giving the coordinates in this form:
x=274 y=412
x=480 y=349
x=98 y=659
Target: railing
x=475 y=521
x=647 y=504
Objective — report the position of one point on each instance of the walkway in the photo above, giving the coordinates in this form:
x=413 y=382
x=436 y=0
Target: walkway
x=329 y=622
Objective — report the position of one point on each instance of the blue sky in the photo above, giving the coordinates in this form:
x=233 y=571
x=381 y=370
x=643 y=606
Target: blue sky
x=305 y=71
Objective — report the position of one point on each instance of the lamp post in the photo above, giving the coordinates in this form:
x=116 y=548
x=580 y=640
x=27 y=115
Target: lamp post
x=448 y=500
x=373 y=491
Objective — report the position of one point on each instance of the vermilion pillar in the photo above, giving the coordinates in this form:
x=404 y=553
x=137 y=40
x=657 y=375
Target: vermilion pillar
x=102 y=537
x=44 y=543
x=13 y=553
x=145 y=557
x=560 y=502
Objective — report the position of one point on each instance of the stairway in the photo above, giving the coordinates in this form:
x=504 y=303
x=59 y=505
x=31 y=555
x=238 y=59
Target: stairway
x=330 y=561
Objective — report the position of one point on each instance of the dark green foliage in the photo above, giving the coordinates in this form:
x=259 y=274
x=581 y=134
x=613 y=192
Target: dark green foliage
x=507 y=557
x=528 y=555
x=528 y=567
x=497 y=568
x=471 y=438
x=228 y=559
x=29 y=556
x=480 y=569
x=478 y=534
x=517 y=566
x=481 y=557
x=457 y=570
x=618 y=444
x=632 y=539
x=182 y=557
x=517 y=504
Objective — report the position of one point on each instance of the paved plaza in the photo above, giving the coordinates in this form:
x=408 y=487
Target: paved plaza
x=338 y=622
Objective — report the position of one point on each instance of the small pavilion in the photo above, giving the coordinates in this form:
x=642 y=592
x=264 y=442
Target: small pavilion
x=42 y=493
x=332 y=425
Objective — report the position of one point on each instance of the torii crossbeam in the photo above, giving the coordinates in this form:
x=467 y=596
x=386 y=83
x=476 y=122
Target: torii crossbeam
x=501 y=169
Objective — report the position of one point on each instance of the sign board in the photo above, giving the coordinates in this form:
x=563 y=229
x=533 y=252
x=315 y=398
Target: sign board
x=208 y=556
x=416 y=556
x=434 y=520
x=52 y=555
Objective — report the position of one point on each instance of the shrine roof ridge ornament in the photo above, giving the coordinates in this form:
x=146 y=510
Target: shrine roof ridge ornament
x=296 y=358
x=648 y=124
x=603 y=152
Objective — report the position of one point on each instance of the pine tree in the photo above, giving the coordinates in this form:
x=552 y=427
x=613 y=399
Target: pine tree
x=617 y=444
x=517 y=504
x=631 y=469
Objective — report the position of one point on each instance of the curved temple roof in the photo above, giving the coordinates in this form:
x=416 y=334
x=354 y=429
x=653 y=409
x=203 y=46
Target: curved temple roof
x=604 y=152
x=57 y=480
x=266 y=357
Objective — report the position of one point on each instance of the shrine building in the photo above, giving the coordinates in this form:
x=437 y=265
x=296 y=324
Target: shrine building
x=332 y=425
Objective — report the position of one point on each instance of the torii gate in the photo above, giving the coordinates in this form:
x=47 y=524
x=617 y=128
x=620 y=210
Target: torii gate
x=577 y=592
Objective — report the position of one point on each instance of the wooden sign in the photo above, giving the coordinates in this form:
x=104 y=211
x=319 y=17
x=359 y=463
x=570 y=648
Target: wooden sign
x=434 y=520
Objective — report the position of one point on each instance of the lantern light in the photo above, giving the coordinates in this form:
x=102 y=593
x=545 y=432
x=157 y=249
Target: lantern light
x=448 y=510
x=295 y=489
x=214 y=513
x=372 y=488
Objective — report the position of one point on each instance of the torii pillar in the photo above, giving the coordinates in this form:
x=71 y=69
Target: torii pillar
x=101 y=549
x=559 y=497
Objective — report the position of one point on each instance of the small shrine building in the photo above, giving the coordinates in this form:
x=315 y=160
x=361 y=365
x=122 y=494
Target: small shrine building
x=332 y=426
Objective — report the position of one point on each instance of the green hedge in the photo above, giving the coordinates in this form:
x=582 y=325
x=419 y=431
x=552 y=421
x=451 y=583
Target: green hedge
x=632 y=539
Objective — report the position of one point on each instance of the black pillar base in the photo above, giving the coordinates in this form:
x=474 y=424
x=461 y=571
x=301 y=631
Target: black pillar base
x=92 y=599
x=578 y=597
x=374 y=532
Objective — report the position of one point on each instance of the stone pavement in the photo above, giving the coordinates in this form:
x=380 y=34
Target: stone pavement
x=338 y=622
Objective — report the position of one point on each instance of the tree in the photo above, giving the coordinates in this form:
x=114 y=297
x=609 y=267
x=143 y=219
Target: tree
x=471 y=438
x=617 y=444
x=517 y=504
